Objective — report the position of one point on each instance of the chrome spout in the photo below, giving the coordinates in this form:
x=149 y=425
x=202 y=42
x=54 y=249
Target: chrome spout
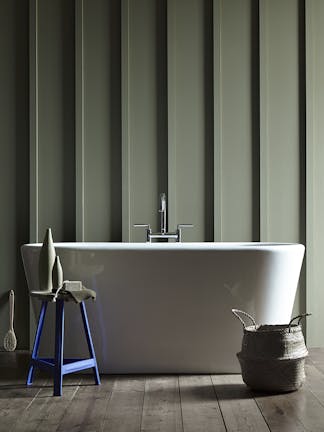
x=163 y=234
x=163 y=211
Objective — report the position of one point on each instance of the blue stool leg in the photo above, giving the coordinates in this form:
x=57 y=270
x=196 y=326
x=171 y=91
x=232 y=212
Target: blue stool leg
x=59 y=343
x=89 y=341
x=37 y=341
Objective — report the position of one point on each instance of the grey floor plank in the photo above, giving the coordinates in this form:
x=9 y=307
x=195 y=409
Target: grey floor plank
x=131 y=383
x=279 y=413
x=161 y=409
x=290 y=412
x=302 y=410
x=199 y=404
x=239 y=409
x=88 y=409
x=126 y=405
x=16 y=398
x=315 y=382
x=129 y=403
x=46 y=411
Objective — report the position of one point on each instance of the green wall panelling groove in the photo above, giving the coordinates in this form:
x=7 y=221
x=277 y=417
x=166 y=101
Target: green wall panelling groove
x=203 y=99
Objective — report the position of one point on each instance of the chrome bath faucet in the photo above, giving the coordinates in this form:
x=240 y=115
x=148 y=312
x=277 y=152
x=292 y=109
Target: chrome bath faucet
x=163 y=234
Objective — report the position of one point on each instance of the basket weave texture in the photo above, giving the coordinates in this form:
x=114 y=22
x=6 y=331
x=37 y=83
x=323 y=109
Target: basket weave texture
x=272 y=357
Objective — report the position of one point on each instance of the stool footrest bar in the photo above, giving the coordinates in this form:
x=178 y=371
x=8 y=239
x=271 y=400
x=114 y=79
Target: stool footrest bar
x=77 y=366
x=69 y=365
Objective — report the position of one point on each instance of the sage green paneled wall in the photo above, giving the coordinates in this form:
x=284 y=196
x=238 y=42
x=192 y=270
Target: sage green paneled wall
x=14 y=163
x=314 y=168
x=206 y=100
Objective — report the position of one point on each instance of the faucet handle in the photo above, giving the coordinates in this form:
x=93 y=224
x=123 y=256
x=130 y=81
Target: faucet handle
x=148 y=226
x=148 y=230
x=179 y=228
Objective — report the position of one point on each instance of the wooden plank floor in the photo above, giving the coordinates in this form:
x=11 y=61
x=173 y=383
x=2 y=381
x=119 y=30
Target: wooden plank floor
x=164 y=403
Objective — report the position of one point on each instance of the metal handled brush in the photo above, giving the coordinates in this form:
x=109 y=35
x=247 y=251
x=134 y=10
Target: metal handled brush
x=10 y=340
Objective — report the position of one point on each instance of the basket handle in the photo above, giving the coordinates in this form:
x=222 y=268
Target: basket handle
x=236 y=312
x=300 y=317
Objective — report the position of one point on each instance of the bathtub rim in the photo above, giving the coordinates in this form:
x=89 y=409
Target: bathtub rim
x=188 y=246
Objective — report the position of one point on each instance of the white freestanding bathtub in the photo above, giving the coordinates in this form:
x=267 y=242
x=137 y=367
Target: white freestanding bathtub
x=166 y=307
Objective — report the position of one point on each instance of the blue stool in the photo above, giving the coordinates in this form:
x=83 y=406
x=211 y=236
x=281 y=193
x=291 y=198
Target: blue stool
x=60 y=366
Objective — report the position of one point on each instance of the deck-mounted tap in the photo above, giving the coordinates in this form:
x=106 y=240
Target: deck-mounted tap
x=163 y=234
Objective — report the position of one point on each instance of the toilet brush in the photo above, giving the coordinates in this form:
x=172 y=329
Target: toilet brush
x=10 y=340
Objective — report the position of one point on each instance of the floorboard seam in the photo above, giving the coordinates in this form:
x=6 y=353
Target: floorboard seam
x=35 y=396
x=106 y=416
x=144 y=393
x=259 y=408
x=67 y=406
x=75 y=391
x=181 y=412
x=314 y=394
x=319 y=369
x=219 y=405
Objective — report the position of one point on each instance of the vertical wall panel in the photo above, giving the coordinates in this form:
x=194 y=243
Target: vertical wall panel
x=190 y=137
x=217 y=111
x=79 y=121
x=279 y=96
x=142 y=147
x=33 y=120
x=126 y=188
x=235 y=163
x=102 y=121
x=280 y=128
x=56 y=159
x=33 y=139
x=14 y=167
x=315 y=171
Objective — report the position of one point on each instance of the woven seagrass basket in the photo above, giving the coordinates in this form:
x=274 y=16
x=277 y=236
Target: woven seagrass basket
x=272 y=357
